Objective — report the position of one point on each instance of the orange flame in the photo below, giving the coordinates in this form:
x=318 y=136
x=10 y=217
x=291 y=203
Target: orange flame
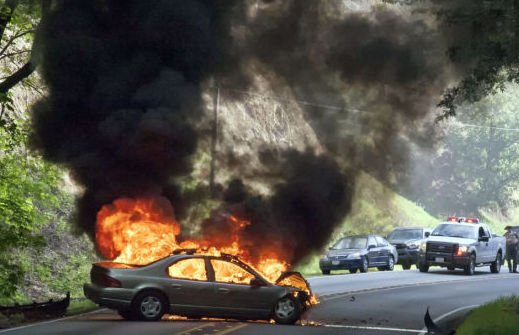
x=140 y=231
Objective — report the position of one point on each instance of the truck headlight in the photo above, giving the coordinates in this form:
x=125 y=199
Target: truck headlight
x=462 y=249
x=423 y=246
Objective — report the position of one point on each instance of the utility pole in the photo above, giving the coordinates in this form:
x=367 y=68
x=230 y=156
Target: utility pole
x=214 y=138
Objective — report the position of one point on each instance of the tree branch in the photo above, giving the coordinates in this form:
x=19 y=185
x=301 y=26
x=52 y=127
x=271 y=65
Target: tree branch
x=13 y=38
x=16 y=77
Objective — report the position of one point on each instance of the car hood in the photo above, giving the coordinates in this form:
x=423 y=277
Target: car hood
x=343 y=252
x=447 y=239
x=297 y=281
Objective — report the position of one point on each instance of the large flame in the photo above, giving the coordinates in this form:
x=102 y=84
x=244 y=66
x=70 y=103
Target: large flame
x=140 y=231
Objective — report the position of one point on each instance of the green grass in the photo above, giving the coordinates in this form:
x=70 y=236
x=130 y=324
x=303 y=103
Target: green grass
x=375 y=210
x=500 y=317
x=80 y=306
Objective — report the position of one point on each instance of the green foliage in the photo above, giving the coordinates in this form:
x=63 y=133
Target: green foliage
x=500 y=317
x=477 y=166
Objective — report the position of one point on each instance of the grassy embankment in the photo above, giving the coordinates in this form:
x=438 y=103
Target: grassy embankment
x=500 y=317
x=377 y=210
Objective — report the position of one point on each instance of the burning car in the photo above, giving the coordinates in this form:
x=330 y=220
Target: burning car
x=196 y=284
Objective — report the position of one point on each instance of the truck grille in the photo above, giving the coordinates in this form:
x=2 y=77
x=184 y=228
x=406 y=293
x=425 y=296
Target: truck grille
x=441 y=248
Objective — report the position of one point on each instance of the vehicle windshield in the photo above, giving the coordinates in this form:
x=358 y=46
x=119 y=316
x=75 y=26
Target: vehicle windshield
x=351 y=243
x=453 y=230
x=405 y=234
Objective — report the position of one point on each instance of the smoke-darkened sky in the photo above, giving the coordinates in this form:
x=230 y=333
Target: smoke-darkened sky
x=125 y=80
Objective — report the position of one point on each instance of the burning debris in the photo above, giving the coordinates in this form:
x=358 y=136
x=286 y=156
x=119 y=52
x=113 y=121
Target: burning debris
x=125 y=81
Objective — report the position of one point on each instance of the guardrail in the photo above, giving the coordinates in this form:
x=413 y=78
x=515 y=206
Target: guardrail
x=48 y=309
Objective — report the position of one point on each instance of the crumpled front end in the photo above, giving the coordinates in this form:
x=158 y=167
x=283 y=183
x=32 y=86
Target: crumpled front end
x=303 y=291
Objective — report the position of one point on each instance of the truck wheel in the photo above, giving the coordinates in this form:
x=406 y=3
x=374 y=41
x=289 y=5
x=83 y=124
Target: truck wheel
x=423 y=267
x=495 y=267
x=353 y=270
x=470 y=268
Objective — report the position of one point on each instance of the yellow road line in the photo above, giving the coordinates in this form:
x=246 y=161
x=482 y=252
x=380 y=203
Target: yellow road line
x=199 y=327
x=229 y=330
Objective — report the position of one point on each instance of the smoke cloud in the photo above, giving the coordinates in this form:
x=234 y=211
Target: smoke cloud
x=125 y=82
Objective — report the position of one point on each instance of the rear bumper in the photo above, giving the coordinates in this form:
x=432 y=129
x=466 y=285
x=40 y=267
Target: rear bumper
x=116 y=298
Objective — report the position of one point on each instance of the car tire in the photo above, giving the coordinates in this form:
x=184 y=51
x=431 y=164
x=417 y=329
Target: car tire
x=149 y=306
x=406 y=266
x=365 y=265
x=325 y=272
x=354 y=270
x=495 y=267
x=287 y=310
x=127 y=315
x=423 y=267
x=390 y=264
x=470 y=268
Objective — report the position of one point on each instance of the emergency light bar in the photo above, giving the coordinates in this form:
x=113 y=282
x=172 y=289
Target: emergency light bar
x=462 y=219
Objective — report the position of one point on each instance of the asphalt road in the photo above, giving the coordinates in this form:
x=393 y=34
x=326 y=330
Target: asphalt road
x=364 y=303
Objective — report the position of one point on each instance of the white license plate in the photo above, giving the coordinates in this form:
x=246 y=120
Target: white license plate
x=439 y=259
x=336 y=262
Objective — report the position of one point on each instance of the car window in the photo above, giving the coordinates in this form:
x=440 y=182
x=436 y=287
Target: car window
x=380 y=241
x=355 y=242
x=192 y=268
x=372 y=241
x=226 y=272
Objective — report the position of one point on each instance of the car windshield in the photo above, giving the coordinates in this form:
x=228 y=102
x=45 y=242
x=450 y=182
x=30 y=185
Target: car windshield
x=453 y=230
x=351 y=243
x=405 y=234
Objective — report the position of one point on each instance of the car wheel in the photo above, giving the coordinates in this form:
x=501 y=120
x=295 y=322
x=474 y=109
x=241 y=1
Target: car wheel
x=325 y=272
x=287 y=310
x=471 y=267
x=390 y=264
x=406 y=266
x=495 y=267
x=127 y=315
x=354 y=270
x=149 y=306
x=423 y=267
x=365 y=265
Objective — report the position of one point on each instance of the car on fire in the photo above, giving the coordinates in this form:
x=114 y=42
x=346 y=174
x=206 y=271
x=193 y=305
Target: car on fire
x=407 y=241
x=358 y=253
x=193 y=284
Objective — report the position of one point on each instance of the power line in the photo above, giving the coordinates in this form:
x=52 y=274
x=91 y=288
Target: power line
x=484 y=127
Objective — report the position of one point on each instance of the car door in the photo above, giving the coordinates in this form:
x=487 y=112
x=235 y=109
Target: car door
x=384 y=250
x=374 y=252
x=235 y=297
x=188 y=287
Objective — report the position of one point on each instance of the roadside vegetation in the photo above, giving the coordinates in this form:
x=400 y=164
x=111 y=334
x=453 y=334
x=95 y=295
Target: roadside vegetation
x=500 y=317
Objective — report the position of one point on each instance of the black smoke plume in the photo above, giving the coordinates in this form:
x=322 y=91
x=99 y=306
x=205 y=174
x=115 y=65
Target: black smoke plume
x=125 y=77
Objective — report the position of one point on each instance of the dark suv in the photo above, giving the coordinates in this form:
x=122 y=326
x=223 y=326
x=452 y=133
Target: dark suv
x=407 y=242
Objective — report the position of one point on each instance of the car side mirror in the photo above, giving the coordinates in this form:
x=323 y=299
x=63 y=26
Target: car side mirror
x=255 y=282
x=371 y=246
x=427 y=234
x=483 y=238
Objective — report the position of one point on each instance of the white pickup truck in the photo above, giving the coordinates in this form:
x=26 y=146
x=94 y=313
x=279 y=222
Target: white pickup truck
x=462 y=245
